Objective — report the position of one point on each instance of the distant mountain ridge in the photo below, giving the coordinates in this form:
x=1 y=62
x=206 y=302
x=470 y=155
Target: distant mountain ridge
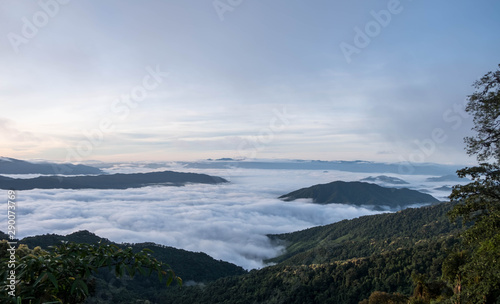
x=360 y=194
x=111 y=181
x=385 y=179
x=16 y=166
x=348 y=166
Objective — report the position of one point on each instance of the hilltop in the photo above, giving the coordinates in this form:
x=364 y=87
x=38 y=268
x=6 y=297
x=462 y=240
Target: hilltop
x=360 y=194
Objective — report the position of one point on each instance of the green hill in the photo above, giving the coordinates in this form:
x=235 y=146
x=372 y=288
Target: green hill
x=360 y=194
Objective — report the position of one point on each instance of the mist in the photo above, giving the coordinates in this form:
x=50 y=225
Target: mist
x=227 y=221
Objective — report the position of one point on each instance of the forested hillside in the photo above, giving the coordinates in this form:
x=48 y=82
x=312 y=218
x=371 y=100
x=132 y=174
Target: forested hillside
x=366 y=235
x=343 y=262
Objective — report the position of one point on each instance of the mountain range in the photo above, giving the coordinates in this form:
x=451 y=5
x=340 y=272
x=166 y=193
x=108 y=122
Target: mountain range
x=16 y=166
x=348 y=166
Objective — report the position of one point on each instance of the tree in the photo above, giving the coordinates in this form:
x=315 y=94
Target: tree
x=453 y=272
x=64 y=274
x=478 y=203
x=484 y=105
x=379 y=297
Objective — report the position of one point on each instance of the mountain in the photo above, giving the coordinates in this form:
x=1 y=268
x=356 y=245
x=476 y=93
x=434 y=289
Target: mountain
x=16 y=166
x=112 y=181
x=360 y=194
x=384 y=179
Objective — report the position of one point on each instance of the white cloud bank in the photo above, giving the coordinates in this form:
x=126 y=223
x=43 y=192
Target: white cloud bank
x=228 y=222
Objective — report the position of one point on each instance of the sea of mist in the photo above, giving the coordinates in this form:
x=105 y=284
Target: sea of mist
x=227 y=221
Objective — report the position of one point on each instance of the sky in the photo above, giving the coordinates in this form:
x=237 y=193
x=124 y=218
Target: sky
x=380 y=80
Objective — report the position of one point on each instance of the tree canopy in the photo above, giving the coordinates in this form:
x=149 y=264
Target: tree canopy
x=484 y=106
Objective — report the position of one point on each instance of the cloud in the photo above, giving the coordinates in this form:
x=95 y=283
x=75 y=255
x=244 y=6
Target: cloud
x=228 y=222
x=9 y=130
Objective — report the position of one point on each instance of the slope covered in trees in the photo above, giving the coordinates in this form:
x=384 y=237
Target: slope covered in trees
x=366 y=235
x=342 y=262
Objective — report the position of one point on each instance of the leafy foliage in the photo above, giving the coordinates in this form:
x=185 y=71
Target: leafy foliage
x=106 y=287
x=479 y=202
x=64 y=274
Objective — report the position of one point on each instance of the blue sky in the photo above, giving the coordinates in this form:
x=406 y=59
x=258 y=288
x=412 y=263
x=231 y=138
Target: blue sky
x=186 y=80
